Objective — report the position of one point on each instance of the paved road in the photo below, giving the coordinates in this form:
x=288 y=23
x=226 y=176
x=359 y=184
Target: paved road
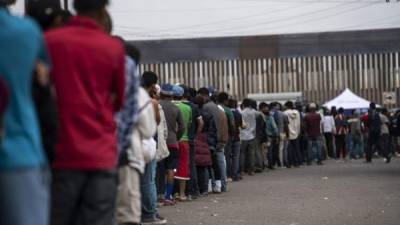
x=338 y=193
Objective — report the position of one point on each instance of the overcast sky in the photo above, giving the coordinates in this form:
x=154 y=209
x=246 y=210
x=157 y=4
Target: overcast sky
x=165 y=19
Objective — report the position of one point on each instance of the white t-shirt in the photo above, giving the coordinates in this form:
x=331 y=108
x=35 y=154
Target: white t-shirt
x=328 y=124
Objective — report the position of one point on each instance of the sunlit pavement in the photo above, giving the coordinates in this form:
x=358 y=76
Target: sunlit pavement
x=338 y=192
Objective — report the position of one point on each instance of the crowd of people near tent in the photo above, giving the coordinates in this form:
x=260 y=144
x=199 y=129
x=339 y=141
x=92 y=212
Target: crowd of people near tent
x=121 y=145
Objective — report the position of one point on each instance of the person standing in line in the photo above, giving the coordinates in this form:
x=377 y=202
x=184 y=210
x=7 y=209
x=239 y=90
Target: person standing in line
x=162 y=149
x=176 y=127
x=222 y=101
x=365 y=131
x=293 y=154
x=329 y=130
x=235 y=145
x=341 y=132
x=374 y=124
x=203 y=154
x=279 y=118
x=129 y=194
x=90 y=87
x=272 y=133
x=216 y=145
x=49 y=16
x=248 y=138
x=313 y=128
x=148 y=187
x=356 y=136
x=24 y=173
x=384 y=139
x=195 y=129
x=128 y=208
x=260 y=161
x=183 y=172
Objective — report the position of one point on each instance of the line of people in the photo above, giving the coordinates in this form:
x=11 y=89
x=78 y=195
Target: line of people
x=120 y=146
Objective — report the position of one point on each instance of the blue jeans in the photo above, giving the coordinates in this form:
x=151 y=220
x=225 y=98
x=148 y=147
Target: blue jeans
x=149 y=190
x=221 y=165
x=235 y=146
x=356 y=147
x=24 y=196
x=316 y=144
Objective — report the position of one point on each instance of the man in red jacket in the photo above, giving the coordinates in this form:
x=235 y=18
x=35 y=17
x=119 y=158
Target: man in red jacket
x=89 y=77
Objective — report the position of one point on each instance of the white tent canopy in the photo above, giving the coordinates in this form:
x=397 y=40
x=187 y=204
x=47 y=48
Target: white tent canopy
x=348 y=100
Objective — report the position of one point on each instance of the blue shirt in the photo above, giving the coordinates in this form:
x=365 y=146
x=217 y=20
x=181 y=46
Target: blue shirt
x=21 y=45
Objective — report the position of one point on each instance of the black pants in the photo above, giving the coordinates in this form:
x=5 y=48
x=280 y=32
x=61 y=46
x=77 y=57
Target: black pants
x=340 y=145
x=83 y=197
x=273 y=152
x=161 y=178
x=203 y=177
x=247 y=151
x=384 y=145
x=193 y=187
x=303 y=145
x=294 y=156
x=329 y=144
x=378 y=143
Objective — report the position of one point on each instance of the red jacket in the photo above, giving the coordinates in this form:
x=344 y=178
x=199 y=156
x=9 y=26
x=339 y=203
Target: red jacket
x=88 y=72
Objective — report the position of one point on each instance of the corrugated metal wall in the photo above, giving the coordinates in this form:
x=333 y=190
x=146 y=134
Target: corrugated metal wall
x=320 y=78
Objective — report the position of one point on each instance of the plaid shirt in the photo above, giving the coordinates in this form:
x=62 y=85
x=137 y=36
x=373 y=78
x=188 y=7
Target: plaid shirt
x=128 y=116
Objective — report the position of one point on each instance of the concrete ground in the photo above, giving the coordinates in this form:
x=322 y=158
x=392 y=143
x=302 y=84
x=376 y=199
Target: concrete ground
x=338 y=193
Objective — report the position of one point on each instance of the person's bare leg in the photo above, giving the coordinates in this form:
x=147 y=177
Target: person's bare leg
x=182 y=189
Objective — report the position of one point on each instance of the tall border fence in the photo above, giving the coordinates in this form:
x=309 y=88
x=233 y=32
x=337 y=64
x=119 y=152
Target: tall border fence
x=320 y=78
x=366 y=62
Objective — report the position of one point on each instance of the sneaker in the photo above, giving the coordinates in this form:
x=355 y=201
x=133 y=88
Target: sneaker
x=154 y=220
x=160 y=217
x=258 y=170
x=388 y=159
x=210 y=189
x=204 y=194
x=217 y=188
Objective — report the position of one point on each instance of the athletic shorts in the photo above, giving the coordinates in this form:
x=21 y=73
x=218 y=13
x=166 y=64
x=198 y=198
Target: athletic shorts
x=183 y=172
x=172 y=161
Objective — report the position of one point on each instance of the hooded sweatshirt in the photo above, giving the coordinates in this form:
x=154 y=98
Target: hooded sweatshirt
x=294 y=123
